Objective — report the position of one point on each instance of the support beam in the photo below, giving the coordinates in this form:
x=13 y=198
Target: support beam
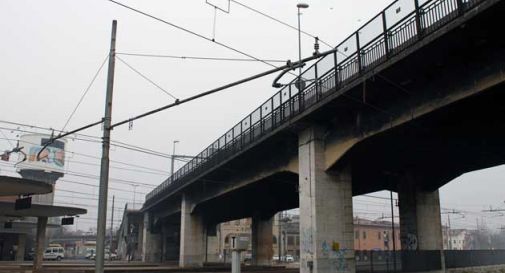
x=192 y=247
x=20 y=254
x=326 y=218
x=40 y=242
x=262 y=240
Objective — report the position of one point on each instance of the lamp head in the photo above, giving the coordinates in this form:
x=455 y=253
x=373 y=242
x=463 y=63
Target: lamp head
x=302 y=5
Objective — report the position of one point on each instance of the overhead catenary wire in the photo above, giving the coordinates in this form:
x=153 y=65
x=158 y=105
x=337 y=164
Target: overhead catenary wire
x=126 y=146
x=93 y=177
x=198 y=57
x=146 y=78
x=191 y=32
x=279 y=21
x=221 y=88
x=85 y=92
x=6 y=138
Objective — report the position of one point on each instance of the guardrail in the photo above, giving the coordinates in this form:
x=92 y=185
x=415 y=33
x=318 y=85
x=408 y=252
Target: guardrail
x=397 y=27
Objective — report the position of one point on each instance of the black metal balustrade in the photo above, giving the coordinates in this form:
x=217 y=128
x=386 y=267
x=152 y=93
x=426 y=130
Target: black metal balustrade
x=397 y=27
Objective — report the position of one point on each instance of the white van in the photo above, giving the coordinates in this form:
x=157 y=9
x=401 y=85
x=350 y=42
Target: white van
x=54 y=253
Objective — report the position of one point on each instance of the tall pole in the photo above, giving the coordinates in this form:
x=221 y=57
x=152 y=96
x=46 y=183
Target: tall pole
x=172 y=164
x=300 y=83
x=111 y=229
x=299 y=46
x=449 y=231
x=104 y=168
x=393 y=230
x=134 y=194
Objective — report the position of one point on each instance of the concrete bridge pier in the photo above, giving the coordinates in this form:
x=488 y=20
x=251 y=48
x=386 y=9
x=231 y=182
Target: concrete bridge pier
x=170 y=241
x=151 y=241
x=193 y=234
x=420 y=221
x=326 y=217
x=262 y=240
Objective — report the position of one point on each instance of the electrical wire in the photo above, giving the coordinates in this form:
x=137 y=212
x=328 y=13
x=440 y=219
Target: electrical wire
x=85 y=92
x=112 y=161
x=279 y=21
x=82 y=183
x=8 y=140
x=191 y=32
x=91 y=176
x=197 y=58
x=118 y=168
x=146 y=78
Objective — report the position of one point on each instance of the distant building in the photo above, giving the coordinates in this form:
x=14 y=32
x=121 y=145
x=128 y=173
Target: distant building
x=458 y=239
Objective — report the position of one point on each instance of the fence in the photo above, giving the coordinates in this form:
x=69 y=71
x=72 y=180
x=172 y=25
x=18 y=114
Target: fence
x=423 y=261
x=397 y=27
x=399 y=261
x=467 y=258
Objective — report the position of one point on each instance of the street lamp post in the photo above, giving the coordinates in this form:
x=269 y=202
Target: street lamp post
x=300 y=6
x=173 y=158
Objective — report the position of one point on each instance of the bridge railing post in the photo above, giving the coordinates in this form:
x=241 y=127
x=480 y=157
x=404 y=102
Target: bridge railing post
x=461 y=6
x=316 y=83
x=386 y=36
x=419 y=14
x=335 y=59
x=358 y=51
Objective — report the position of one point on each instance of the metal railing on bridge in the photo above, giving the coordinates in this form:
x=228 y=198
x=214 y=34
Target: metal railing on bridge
x=398 y=26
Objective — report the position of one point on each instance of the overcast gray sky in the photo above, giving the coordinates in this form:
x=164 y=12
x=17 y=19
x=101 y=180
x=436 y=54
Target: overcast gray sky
x=51 y=49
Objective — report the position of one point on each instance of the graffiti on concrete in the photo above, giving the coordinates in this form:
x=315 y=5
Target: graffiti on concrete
x=335 y=255
x=307 y=241
x=411 y=242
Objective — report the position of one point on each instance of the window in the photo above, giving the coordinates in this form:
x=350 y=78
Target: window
x=364 y=234
x=291 y=240
x=356 y=236
x=379 y=235
x=274 y=240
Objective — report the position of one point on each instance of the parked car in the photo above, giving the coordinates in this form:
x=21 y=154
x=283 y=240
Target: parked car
x=107 y=256
x=110 y=256
x=54 y=253
x=290 y=258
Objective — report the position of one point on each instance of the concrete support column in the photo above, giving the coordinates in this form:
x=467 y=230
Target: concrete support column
x=20 y=254
x=326 y=218
x=40 y=242
x=420 y=221
x=192 y=246
x=262 y=240
x=151 y=241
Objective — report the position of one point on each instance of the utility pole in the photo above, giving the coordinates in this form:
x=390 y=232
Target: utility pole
x=449 y=231
x=172 y=162
x=279 y=240
x=134 y=194
x=111 y=229
x=393 y=230
x=104 y=168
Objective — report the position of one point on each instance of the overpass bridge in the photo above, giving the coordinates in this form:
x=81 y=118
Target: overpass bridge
x=408 y=102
